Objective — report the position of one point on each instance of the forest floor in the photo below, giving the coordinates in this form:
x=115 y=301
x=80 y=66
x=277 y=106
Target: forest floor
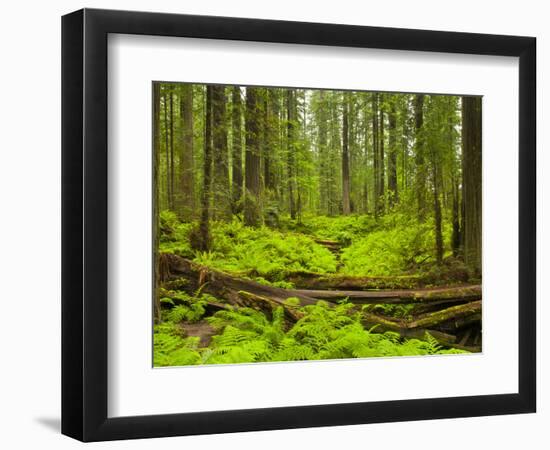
x=320 y=288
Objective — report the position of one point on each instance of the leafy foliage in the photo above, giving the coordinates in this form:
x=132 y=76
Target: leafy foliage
x=344 y=229
x=172 y=349
x=262 y=253
x=187 y=308
x=401 y=244
x=174 y=235
x=246 y=335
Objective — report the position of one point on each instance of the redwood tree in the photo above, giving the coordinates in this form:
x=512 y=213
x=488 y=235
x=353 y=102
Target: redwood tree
x=346 y=209
x=185 y=198
x=471 y=176
x=252 y=209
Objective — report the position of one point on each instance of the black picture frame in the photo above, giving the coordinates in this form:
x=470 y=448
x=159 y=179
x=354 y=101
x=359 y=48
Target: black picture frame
x=84 y=224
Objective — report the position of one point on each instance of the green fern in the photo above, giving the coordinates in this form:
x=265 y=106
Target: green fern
x=172 y=349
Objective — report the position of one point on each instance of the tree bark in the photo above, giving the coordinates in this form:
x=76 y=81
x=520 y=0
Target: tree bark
x=171 y=186
x=323 y=154
x=186 y=195
x=399 y=296
x=166 y=145
x=376 y=155
x=455 y=237
x=381 y=158
x=420 y=178
x=291 y=150
x=345 y=158
x=222 y=195
x=204 y=238
x=392 y=155
x=156 y=199
x=435 y=168
x=437 y=222
x=471 y=172
x=237 y=291
x=452 y=313
x=429 y=320
x=237 y=150
x=252 y=215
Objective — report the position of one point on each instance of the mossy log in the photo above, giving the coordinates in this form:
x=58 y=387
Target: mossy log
x=439 y=324
x=307 y=280
x=381 y=325
x=454 y=314
x=460 y=323
x=400 y=296
x=267 y=304
x=236 y=291
x=332 y=246
x=242 y=292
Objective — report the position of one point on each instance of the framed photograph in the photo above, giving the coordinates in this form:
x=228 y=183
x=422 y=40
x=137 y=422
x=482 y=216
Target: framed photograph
x=273 y=224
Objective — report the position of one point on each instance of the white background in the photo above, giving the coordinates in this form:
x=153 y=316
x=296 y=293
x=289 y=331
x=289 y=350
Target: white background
x=30 y=177
x=135 y=389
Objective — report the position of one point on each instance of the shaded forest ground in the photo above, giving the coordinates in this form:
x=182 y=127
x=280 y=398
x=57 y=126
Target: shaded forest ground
x=318 y=288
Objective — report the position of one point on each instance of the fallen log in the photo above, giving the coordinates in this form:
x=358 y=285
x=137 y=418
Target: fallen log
x=403 y=296
x=264 y=303
x=332 y=246
x=459 y=323
x=453 y=315
x=410 y=329
x=243 y=292
x=445 y=315
x=328 y=242
x=381 y=325
x=236 y=291
x=307 y=280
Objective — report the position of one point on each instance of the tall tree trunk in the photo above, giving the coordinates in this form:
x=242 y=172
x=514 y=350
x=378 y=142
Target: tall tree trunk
x=237 y=150
x=382 y=169
x=267 y=145
x=392 y=155
x=252 y=215
x=405 y=138
x=420 y=179
x=471 y=172
x=375 y=155
x=204 y=239
x=156 y=199
x=291 y=149
x=166 y=145
x=171 y=187
x=437 y=210
x=334 y=169
x=455 y=237
x=273 y=140
x=365 y=163
x=346 y=209
x=354 y=154
x=186 y=195
x=222 y=191
x=323 y=154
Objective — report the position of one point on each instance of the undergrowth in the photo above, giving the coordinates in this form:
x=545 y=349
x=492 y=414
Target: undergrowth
x=394 y=245
x=245 y=335
x=263 y=254
x=400 y=245
x=343 y=229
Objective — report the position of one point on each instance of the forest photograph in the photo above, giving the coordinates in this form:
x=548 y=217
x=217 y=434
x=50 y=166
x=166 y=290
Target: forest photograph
x=295 y=224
